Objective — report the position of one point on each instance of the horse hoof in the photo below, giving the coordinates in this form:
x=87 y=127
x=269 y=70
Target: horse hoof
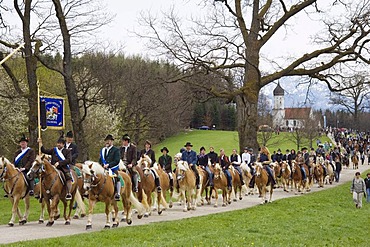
x=160 y=212
x=114 y=225
x=224 y=204
x=123 y=220
x=235 y=200
x=106 y=227
x=75 y=217
x=266 y=201
x=113 y=219
x=22 y=222
x=10 y=224
x=56 y=217
x=88 y=227
x=67 y=223
x=229 y=202
x=146 y=215
x=83 y=215
x=50 y=223
x=215 y=206
x=139 y=216
x=129 y=222
x=170 y=206
x=184 y=210
x=240 y=198
x=41 y=221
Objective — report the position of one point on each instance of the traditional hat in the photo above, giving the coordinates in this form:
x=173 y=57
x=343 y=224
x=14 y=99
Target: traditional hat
x=109 y=137
x=202 y=148
x=23 y=139
x=126 y=137
x=287 y=150
x=148 y=142
x=164 y=148
x=304 y=148
x=69 y=134
x=279 y=150
x=250 y=150
x=61 y=138
x=188 y=144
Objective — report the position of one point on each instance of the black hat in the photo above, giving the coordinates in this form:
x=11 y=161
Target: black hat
x=61 y=138
x=69 y=134
x=148 y=142
x=202 y=148
x=23 y=139
x=287 y=150
x=182 y=150
x=279 y=150
x=188 y=144
x=164 y=148
x=250 y=149
x=109 y=137
x=304 y=148
x=126 y=137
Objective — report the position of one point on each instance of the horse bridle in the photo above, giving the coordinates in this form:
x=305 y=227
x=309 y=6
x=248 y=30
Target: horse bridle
x=92 y=179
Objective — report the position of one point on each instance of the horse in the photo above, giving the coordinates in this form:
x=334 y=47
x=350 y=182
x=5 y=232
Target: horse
x=277 y=169
x=236 y=184
x=262 y=181
x=128 y=197
x=220 y=183
x=204 y=186
x=53 y=189
x=148 y=184
x=345 y=161
x=80 y=212
x=285 y=175
x=330 y=169
x=297 y=178
x=318 y=172
x=15 y=186
x=355 y=161
x=185 y=179
x=247 y=176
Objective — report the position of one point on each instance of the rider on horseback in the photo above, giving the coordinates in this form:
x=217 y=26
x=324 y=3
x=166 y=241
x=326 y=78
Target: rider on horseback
x=203 y=163
x=190 y=157
x=129 y=157
x=165 y=161
x=264 y=158
x=109 y=159
x=236 y=162
x=23 y=159
x=224 y=162
x=300 y=161
x=61 y=158
x=149 y=151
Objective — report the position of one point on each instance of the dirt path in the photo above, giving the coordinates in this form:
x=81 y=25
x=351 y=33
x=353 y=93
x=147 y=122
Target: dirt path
x=33 y=230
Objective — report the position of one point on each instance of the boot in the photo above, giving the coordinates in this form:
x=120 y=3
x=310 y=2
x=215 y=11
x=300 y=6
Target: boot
x=171 y=183
x=157 y=184
x=117 y=196
x=31 y=186
x=69 y=188
x=241 y=179
x=251 y=183
x=197 y=182
x=135 y=182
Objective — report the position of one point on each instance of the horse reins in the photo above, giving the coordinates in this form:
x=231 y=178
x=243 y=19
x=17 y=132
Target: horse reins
x=96 y=185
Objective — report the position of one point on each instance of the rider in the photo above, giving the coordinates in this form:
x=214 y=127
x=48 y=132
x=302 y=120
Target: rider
x=109 y=159
x=264 y=158
x=306 y=157
x=23 y=159
x=301 y=162
x=61 y=158
x=71 y=146
x=165 y=161
x=190 y=156
x=149 y=151
x=224 y=162
x=212 y=155
x=320 y=160
x=128 y=155
x=236 y=162
x=202 y=161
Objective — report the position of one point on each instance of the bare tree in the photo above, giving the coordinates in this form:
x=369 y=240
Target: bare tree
x=229 y=43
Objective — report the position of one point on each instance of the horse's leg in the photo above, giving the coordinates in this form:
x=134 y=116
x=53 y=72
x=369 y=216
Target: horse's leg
x=41 y=219
x=27 y=210
x=271 y=191
x=170 y=203
x=115 y=220
x=224 y=197
x=126 y=208
x=89 y=217
x=50 y=211
x=15 y=201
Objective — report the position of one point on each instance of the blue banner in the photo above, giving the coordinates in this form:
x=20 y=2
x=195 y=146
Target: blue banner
x=54 y=108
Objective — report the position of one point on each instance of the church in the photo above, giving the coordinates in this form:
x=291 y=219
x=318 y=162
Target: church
x=288 y=118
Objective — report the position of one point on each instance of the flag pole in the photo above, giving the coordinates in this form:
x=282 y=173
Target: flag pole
x=38 y=115
x=12 y=53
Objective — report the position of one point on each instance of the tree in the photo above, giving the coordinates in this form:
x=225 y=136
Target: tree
x=229 y=43
x=354 y=98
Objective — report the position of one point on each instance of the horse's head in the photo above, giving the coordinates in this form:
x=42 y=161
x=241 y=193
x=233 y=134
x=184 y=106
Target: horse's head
x=144 y=163
x=90 y=178
x=177 y=157
x=3 y=163
x=37 y=166
x=284 y=166
x=181 y=168
x=217 y=170
x=258 y=168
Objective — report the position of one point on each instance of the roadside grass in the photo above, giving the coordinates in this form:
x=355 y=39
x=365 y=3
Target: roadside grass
x=325 y=218
x=218 y=139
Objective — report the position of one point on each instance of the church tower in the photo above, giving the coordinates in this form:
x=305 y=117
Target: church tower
x=278 y=111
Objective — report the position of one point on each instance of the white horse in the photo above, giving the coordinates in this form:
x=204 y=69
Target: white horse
x=247 y=176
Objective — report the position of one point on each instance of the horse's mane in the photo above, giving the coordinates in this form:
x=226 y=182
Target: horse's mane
x=258 y=164
x=245 y=167
x=4 y=161
x=182 y=165
x=217 y=166
x=95 y=166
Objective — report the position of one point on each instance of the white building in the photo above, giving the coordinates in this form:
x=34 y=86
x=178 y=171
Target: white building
x=287 y=118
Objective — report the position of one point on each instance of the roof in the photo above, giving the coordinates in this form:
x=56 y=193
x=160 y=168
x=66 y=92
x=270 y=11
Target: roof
x=297 y=113
x=278 y=91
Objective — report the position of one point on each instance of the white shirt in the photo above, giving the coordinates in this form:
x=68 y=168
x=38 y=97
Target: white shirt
x=246 y=157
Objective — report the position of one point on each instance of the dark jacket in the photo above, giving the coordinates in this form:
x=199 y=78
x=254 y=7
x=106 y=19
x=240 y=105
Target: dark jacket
x=306 y=157
x=213 y=157
x=112 y=158
x=166 y=163
x=224 y=162
x=202 y=160
x=367 y=183
x=55 y=158
x=27 y=159
x=150 y=153
x=279 y=157
x=74 y=151
x=131 y=155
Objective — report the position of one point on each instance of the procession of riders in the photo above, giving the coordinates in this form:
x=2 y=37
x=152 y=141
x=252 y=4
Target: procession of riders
x=64 y=155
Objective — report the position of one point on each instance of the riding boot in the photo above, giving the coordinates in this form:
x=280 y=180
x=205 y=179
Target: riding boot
x=241 y=179
x=69 y=188
x=171 y=183
x=117 y=196
x=135 y=182
x=157 y=184
x=31 y=184
x=251 y=183
x=197 y=181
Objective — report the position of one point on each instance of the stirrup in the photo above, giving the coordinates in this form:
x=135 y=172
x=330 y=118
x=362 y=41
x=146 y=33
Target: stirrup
x=159 y=189
x=69 y=196
x=117 y=197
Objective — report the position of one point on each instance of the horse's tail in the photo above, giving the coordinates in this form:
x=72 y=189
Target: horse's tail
x=80 y=203
x=139 y=206
x=144 y=200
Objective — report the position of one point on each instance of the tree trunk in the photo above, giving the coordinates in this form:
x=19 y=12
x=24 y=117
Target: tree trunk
x=247 y=121
x=70 y=86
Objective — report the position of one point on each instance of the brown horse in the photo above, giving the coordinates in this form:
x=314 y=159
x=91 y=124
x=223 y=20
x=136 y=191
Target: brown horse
x=277 y=169
x=300 y=185
x=220 y=183
x=185 y=179
x=53 y=189
x=318 y=172
x=330 y=176
x=355 y=160
x=237 y=184
x=16 y=188
x=204 y=186
x=285 y=175
x=262 y=181
x=149 y=187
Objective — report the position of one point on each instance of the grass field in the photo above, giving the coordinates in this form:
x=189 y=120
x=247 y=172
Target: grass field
x=218 y=139
x=326 y=218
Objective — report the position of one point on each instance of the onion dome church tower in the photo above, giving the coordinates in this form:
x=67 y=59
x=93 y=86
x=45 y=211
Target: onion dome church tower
x=278 y=111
